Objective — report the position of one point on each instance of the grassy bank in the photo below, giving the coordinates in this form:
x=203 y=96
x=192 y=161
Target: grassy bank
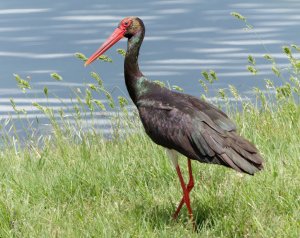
x=127 y=188
x=75 y=183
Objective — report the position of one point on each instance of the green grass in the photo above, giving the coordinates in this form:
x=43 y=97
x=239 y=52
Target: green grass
x=128 y=188
x=77 y=184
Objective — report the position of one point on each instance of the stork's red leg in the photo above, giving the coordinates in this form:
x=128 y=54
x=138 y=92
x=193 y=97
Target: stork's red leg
x=189 y=188
x=186 y=196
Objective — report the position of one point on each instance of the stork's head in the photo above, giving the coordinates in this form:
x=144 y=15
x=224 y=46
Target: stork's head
x=128 y=27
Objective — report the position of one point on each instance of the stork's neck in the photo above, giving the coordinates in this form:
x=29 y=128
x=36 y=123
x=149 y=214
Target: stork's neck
x=133 y=75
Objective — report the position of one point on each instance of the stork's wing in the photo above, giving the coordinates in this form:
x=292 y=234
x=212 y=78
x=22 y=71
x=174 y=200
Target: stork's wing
x=207 y=136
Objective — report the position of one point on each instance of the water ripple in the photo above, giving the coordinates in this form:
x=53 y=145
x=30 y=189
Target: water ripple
x=23 y=11
x=193 y=30
x=173 y=2
x=89 y=18
x=30 y=55
x=189 y=61
x=172 y=11
x=248 y=42
x=210 y=50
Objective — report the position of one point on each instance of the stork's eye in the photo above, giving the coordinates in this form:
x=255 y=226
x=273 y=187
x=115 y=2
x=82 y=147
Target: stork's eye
x=126 y=23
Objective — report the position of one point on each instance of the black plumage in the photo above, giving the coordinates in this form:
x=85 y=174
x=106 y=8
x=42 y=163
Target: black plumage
x=178 y=121
x=196 y=129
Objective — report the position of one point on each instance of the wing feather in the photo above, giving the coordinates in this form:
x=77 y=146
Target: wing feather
x=198 y=131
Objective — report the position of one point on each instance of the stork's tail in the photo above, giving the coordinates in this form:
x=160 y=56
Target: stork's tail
x=241 y=155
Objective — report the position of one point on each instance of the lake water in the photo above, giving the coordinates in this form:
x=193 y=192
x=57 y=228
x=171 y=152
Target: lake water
x=182 y=39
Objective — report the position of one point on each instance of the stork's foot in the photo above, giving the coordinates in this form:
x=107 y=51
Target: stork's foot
x=189 y=189
x=186 y=192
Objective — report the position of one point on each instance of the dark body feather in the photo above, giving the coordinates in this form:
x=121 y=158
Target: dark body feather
x=184 y=123
x=196 y=129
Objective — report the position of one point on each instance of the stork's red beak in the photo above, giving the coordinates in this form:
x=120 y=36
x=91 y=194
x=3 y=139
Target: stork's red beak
x=117 y=35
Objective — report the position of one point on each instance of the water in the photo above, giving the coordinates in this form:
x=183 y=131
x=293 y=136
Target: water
x=182 y=39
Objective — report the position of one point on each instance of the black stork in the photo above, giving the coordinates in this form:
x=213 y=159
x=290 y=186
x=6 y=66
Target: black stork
x=180 y=122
